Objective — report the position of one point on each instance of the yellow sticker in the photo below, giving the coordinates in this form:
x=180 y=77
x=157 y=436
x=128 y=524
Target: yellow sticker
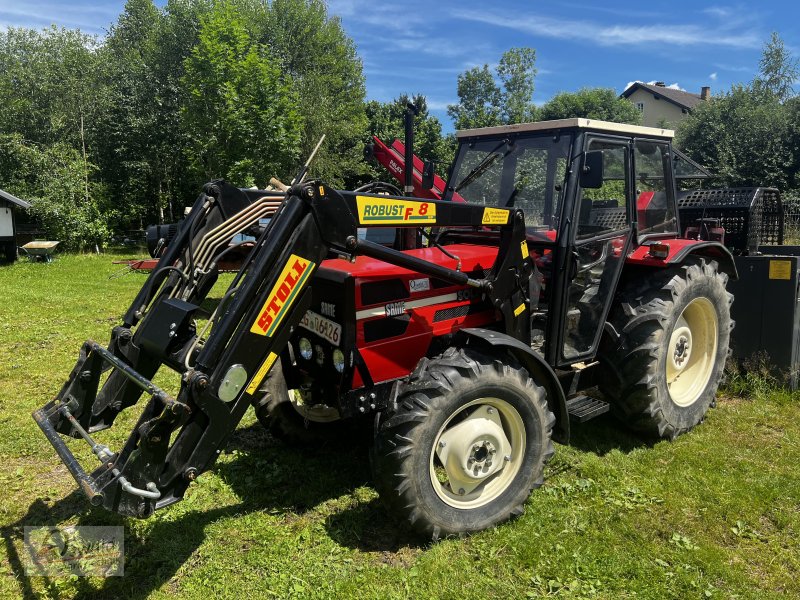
x=261 y=373
x=321 y=191
x=389 y=211
x=518 y=311
x=285 y=291
x=494 y=216
x=524 y=246
x=780 y=269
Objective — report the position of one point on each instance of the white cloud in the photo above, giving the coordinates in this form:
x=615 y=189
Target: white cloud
x=618 y=34
x=434 y=104
x=721 y=12
x=734 y=68
x=713 y=76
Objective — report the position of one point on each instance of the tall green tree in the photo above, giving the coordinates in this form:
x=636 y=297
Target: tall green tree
x=742 y=137
x=517 y=71
x=483 y=102
x=312 y=48
x=135 y=140
x=748 y=135
x=778 y=70
x=590 y=103
x=240 y=112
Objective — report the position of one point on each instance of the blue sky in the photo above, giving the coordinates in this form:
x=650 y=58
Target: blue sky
x=412 y=46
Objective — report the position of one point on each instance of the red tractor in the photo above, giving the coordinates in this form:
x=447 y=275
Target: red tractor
x=465 y=332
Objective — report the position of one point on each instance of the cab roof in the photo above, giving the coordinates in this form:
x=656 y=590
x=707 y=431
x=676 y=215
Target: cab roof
x=577 y=123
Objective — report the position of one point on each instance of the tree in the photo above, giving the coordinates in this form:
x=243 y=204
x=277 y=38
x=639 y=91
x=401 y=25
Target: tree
x=484 y=103
x=54 y=179
x=313 y=50
x=479 y=100
x=778 y=70
x=748 y=135
x=240 y=112
x=135 y=140
x=590 y=103
x=742 y=137
x=517 y=72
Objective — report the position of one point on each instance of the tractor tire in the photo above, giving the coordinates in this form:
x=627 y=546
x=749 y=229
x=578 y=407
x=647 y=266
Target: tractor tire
x=466 y=445
x=664 y=368
x=277 y=412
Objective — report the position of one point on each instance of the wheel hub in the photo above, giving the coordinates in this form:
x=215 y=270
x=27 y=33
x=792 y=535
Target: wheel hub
x=681 y=345
x=471 y=451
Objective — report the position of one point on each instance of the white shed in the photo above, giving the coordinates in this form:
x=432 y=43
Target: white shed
x=8 y=230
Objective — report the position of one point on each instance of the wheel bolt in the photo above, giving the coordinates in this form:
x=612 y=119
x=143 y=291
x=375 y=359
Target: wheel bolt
x=461 y=491
x=490 y=410
x=442 y=444
x=507 y=458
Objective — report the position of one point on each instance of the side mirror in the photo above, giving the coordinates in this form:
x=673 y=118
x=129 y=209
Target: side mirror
x=428 y=173
x=592 y=170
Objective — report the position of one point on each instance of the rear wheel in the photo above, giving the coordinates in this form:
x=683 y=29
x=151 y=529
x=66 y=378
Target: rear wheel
x=466 y=445
x=666 y=365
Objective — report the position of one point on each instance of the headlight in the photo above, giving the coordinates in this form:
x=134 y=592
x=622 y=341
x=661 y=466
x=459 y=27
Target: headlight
x=320 y=354
x=338 y=360
x=305 y=348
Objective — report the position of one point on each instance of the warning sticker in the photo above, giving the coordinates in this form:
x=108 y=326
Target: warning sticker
x=494 y=216
x=524 y=248
x=780 y=269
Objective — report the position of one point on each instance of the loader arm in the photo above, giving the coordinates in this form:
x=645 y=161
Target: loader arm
x=222 y=365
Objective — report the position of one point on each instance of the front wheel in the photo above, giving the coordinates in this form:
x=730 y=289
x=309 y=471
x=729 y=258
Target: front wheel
x=466 y=446
x=665 y=367
x=288 y=418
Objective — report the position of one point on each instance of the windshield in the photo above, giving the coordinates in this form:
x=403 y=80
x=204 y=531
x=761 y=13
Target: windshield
x=526 y=173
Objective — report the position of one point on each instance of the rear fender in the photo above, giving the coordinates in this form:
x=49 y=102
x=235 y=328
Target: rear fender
x=541 y=372
x=680 y=250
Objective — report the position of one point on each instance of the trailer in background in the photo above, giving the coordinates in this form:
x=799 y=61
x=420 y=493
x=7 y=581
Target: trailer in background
x=766 y=307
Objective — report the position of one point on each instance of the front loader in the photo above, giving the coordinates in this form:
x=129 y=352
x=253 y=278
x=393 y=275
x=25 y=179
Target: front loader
x=548 y=286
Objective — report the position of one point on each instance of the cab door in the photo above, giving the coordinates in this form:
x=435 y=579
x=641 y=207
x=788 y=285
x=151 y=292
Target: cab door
x=599 y=242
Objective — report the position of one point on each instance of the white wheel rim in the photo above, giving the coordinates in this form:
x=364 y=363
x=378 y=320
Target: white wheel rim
x=692 y=352
x=477 y=453
x=316 y=413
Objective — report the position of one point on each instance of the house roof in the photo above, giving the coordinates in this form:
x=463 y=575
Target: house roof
x=14 y=200
x=680 y=98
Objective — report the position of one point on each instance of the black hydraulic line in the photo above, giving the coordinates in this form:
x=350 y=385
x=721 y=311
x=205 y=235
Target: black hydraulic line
x=276 y=237
x=411 y=263
x=172 y=254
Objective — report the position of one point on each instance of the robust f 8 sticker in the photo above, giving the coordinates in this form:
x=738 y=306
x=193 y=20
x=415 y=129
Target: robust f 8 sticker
x=284 y=293
x=388 y=211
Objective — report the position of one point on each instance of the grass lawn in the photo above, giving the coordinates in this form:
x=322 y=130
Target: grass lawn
x=714 y=514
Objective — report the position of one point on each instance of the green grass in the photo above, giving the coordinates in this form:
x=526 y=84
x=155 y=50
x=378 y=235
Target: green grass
x=714 y=514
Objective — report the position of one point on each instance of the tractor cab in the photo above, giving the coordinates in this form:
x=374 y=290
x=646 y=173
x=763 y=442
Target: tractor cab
x=592 y=192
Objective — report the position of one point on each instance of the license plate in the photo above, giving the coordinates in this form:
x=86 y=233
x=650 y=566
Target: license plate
x=325 y=328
